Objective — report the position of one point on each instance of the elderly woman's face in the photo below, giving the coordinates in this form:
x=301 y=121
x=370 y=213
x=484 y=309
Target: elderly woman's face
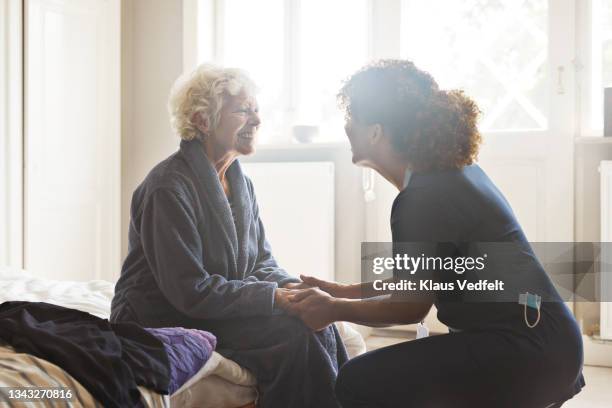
x=238 y=124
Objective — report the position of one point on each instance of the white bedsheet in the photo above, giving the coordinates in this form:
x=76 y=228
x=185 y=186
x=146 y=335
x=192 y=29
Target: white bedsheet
x=93 y=296
x=220 y=383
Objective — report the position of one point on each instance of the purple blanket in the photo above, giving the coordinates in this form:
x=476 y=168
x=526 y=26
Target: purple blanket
x=188 y=350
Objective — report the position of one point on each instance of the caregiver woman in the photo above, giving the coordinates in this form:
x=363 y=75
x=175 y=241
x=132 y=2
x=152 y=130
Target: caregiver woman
x=198 y=256
x=424 y=141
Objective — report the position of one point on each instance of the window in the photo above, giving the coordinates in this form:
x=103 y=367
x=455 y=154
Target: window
x=290 y=48
x=325 y=28
x=259 y=48
x=601 y=59
x=503 y=53
x=495 y=50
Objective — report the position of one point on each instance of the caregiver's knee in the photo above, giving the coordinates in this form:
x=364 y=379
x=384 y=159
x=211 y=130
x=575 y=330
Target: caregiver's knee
x=351 y=378
x=349 y=387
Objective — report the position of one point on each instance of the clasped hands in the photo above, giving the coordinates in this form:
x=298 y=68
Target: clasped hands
x=313 y=300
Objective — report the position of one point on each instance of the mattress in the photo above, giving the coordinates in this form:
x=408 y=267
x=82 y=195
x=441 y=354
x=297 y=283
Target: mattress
x=219 y=383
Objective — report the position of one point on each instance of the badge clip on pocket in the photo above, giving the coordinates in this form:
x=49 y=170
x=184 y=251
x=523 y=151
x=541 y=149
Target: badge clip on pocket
x=533 y=301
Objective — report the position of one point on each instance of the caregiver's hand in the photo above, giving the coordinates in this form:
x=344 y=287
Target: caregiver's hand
x=315 y=307
x=338 y=290
x=297 y=285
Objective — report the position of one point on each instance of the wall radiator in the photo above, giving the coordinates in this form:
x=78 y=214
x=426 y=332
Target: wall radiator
x=296 y=205
x=605 y=170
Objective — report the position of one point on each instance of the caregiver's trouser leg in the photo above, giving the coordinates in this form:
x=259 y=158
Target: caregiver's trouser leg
x=467 y=369
x=294 y=366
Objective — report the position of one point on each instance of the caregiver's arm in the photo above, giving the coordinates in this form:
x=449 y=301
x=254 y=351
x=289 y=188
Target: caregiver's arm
x=318 y=309
x=376 y=311
x=350 y=291
x=173 y=249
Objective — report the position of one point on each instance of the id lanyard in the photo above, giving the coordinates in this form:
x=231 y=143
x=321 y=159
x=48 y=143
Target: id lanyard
x=533 y=301
x=422 y=330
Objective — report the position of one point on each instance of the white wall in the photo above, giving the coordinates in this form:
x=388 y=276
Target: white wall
x=151 y=61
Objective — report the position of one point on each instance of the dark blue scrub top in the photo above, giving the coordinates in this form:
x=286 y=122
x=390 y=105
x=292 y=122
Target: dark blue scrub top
x=463 y=207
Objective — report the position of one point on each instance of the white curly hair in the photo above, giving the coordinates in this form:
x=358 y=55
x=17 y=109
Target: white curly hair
x=201 y=91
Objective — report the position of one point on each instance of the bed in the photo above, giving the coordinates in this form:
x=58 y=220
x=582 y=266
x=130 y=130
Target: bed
x=219 y=383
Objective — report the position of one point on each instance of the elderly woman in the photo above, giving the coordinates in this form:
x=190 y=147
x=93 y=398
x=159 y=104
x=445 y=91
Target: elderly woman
x=198 y=255
x=501 y=351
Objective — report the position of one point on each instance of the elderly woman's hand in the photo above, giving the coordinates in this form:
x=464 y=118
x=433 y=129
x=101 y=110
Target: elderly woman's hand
x=281 y=299
x=315 y=307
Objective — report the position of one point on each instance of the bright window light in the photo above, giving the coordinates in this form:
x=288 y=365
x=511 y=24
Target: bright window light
x=333 y=43
x=496 y=50
x=252 y=38
x=298 y=52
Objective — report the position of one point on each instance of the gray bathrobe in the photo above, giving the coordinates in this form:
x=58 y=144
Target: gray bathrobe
x=195 y=260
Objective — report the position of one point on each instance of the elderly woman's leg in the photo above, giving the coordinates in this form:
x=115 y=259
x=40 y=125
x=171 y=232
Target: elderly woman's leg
x=294 y=366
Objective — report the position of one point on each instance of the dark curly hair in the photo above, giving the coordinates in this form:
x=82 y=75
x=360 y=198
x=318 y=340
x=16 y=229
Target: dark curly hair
x=433 y=129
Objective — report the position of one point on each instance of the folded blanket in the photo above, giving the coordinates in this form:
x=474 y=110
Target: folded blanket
x=187 y=349
x=110 y=360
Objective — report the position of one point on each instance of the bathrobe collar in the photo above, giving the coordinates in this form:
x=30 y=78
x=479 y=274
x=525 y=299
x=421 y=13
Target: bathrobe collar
x=212 y=194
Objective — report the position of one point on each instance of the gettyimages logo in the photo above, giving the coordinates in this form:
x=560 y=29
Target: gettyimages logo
x=491 y=271
x=411 y=264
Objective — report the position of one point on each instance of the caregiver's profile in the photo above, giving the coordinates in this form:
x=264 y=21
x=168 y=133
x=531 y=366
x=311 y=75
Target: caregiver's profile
x=198 y=255
x=425 y=141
